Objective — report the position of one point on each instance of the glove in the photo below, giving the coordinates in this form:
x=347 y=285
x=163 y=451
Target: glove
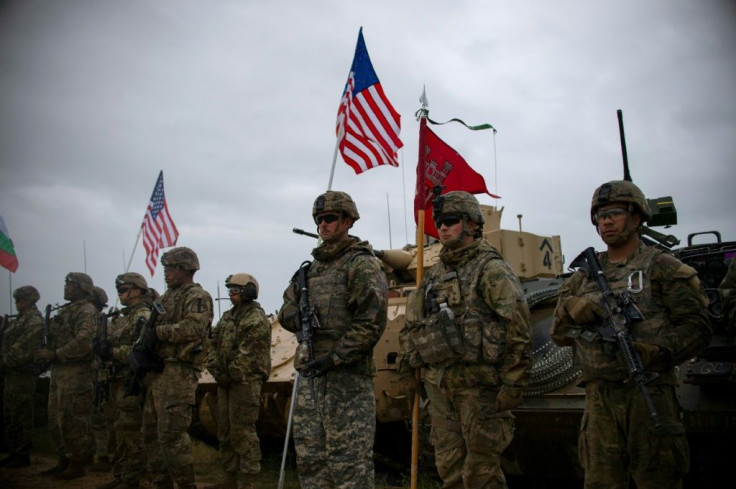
x=650 y=354
x=44 y=355
x=223 y=381
x=318 y=367
x=583 y=311
x=508 y=398
x=103 y=349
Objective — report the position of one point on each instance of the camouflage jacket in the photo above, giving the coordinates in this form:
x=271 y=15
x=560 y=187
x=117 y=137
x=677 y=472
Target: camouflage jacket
x=727 y=292
x=123 y=332
x=349 y=291
x=490 y=316
x=184 y=330
x=72 y=330
x=671 y=301
x=20 y=341
x=241 y=344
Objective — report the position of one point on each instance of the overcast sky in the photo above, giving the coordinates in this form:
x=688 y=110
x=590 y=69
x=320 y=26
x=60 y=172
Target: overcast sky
x=236 y=102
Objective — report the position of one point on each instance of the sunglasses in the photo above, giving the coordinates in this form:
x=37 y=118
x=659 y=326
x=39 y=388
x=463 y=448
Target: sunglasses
x=123 y=290
x=447 y=221
x=614 y=213
x=328 y=218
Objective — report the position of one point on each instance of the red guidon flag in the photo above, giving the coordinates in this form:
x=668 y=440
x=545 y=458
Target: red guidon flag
x=441 y=165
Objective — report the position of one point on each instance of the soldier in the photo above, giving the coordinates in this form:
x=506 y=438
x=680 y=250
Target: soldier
x=727 y=292
x=335 y=412
x=240 y=361
x=181 y=336
x=101 y=426
x=126 y=411
x=468 y=325
x=69 y=350
x=618 y=437
x=20 y=339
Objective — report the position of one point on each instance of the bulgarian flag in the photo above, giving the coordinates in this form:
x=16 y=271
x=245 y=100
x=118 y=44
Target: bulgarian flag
x=7 y=252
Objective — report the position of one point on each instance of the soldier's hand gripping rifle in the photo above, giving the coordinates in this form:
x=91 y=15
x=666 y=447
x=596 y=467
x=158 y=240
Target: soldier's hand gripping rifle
x=143 y=358
x=620 y=312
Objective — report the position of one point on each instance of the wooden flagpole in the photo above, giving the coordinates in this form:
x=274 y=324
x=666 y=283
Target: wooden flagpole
x=420 y=272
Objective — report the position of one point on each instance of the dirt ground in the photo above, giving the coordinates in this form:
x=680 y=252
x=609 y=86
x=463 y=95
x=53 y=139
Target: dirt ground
x=207 y=470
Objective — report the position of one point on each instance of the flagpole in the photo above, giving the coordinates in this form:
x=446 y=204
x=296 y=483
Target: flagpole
x=10 y=291
x=130 y=260
x=420 y=273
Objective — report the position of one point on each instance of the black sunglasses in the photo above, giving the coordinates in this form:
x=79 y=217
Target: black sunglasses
x=448 y=221
x=123 y=290
x=328 y=218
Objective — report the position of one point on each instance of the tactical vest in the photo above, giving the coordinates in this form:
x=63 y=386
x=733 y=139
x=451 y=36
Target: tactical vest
x=327 y=284
x=480 y=333
x=73 y=329
x=599 y=359
x=192 y=352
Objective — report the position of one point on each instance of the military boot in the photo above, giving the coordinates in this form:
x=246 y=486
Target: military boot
x=75 y=470
x=249 y=482
x=60 y=466
x=167 y=484
x=102 y=464
x=229 y=482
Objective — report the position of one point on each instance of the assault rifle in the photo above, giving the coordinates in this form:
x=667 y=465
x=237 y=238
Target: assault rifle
x=620 y=312
x=308 y=321
x=102 y=350
x=143 y=358
x=44 y=366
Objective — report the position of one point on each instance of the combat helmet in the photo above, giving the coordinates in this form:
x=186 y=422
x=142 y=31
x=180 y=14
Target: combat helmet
x=100 y=297
x=181 y=256
x=620 y=191
x=26 y=293
x=83 y=280
x=458 y=202
x=334 y=201
x=131 y=278
x=247 y=283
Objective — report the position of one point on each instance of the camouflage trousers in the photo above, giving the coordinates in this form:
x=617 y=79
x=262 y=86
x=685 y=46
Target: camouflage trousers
x=334 y=431
x=18 y=390
x=618 y=439
x=468 y=436
x=69 y=411
x=237 y=412
x=167 y=414
x=126 y=415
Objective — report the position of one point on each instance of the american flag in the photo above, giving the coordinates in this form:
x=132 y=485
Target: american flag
x=368 y=127
x=159 y=230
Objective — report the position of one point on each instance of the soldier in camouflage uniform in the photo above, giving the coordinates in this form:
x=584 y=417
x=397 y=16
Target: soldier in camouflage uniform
x=20 y=339
x=126 y=411
x=181 y=338
x=727 y=291
x=618 y=438
x=240 y=361
x=69 y=350
x=468 y=326
x=335 y=412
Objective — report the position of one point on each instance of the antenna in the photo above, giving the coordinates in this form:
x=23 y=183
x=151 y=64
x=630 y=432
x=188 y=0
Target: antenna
x=627 y=175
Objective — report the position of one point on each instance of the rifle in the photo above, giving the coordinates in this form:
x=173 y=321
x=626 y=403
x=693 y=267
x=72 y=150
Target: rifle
x=44 y=366
x=621 y=312
x=143 y=358
x=308 y=321
x=101 y=383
